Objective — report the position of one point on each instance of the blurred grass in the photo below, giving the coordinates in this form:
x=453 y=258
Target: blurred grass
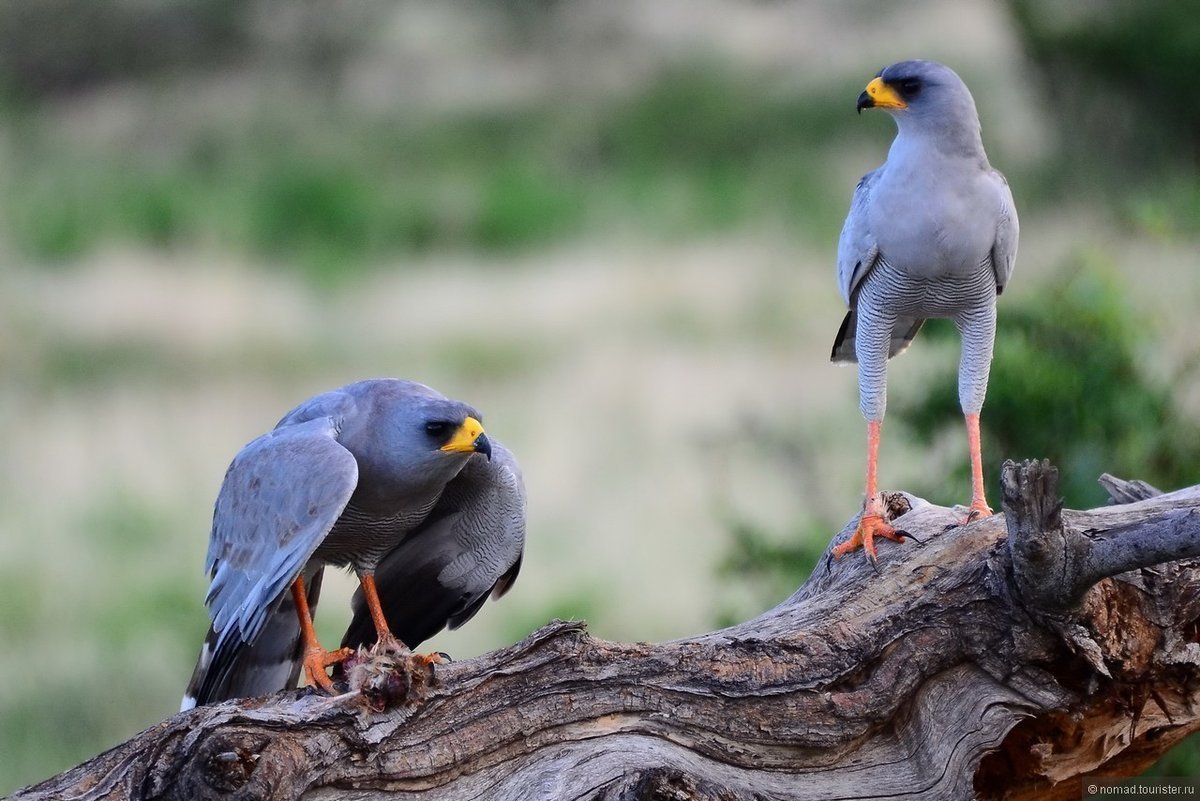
x=700 y=149
x=137 y=631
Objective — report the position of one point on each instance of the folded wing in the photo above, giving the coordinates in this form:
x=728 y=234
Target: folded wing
x=281 y=496
x=468 y=549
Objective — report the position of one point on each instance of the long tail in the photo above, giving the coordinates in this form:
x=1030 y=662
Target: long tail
x=235 y=669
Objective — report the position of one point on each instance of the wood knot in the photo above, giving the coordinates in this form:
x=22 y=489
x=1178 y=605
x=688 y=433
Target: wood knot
x=1035 y=551
x=663 y=785
x=227 y=771
x=666 y=784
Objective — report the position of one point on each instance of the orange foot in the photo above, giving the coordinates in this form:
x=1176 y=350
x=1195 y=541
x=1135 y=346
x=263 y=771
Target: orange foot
x=870 y=525
x=317 y=659
x=977 y=511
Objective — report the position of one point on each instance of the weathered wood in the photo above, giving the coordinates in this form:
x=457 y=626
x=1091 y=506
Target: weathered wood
x=1054 y=567
x=1127 y=491
x=940 y=677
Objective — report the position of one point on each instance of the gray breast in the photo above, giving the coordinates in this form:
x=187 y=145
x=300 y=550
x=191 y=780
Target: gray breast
x=360 y=539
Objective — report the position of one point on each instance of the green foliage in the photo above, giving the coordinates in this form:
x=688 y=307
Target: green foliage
x=1070 y=383
x=140 y=631
x=522 y=203
x=770 y=565
x=1116 y=74
x=1146 y=52
x=336 y=191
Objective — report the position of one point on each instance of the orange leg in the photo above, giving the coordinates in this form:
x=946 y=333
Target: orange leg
x=870 y=523
x=385 y=640
x=316 y=658
x=979 y=506
x=371 y=596
x=874 y=428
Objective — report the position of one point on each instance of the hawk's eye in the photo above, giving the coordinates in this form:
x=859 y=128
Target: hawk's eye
x=437 y=429
x=909 y=87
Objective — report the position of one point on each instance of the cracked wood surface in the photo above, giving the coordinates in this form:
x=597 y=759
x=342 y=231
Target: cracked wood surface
x=938 y=677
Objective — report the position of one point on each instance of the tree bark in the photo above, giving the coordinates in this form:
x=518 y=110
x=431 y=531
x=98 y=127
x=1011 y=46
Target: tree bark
x=1002 y=659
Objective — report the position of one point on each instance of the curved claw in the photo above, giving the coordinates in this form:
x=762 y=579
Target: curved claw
x=870 y=526
x=317 y=660
x=977 y=511
x=435 y=658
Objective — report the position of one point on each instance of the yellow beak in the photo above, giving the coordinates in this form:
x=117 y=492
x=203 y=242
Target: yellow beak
x=469 y=438
x=879 y=95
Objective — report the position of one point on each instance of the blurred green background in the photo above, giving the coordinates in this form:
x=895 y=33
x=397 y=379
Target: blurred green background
x=611 y=225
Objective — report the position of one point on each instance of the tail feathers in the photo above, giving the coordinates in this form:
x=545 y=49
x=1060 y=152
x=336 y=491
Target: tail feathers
x=230 y=668
x=903 y=332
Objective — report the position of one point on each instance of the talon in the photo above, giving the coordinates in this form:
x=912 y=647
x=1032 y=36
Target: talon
x=870 y=526
x=435 y=658
x=317 y=660
x=388 y=643
x=977 y=511
x=856 y=540
x=910 y=536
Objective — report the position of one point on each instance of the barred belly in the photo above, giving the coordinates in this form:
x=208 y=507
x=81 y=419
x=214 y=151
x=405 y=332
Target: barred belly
x=901 y=293
x=888 y=295
x=359 y=539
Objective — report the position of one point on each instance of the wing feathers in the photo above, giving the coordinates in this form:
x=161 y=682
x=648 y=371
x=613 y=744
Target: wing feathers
x=857 y=247
x=280 y=497
x=1008 y=229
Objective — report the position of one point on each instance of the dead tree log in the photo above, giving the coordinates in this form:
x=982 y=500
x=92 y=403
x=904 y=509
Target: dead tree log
x=1003 y=659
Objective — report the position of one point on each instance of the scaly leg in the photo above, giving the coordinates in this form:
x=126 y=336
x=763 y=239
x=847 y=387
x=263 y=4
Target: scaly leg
x=371 y=596
x=385 y=640
x=870 y=523
x=979 y=506
x=316 y=658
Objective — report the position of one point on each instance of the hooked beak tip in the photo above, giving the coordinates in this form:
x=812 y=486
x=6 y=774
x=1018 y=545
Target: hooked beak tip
x=483 y=445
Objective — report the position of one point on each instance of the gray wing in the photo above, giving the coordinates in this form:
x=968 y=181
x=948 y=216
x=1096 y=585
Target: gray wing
x=281 y=496
x=858 y=253
x=467 y=550
x=857 y=247
x=1004 y=251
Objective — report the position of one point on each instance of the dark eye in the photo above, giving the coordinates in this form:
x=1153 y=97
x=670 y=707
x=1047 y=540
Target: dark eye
x=437 y=429
x=909 y=87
